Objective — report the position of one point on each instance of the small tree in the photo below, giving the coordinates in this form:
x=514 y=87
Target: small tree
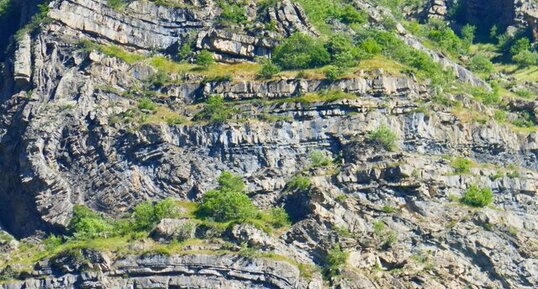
x=468 y=34
x=384 y=137
x=204 y=59
x=477 y=197
x=332 y=73
x=526 y=58
x=147 y=215
x=462 y=165
x=520 y=45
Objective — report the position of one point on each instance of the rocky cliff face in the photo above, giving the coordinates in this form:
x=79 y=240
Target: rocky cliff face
x=67 y=136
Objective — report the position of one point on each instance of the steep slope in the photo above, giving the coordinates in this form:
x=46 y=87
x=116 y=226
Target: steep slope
x=97 y=110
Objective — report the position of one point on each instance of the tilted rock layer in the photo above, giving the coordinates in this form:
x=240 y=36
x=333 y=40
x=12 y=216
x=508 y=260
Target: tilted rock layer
x=60 y=145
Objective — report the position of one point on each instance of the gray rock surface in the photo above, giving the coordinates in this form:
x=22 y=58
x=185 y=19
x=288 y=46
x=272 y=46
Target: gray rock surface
x=67 y=137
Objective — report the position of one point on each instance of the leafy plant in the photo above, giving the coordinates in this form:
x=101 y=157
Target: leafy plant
x=268 y=70
x=301 y=51
x=87 y=224
x=477 y=197
x=147 y=215
x=461 y=165
x=335 y=260
x=204 y=59
x=146 y=104
x=320 y=159
x=299 y=183
x=228 y=202
x=214 y=110
x=383 y=136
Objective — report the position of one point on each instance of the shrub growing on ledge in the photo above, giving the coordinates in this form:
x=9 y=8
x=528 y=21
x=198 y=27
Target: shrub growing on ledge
x=268 y=70
x=335 y=260
x=147 y=215
x=461 y=165
x=228 y=202
x=383 y=136
x=204 y=59
x=301 y=51
x=477 y=197
x=87 y=224
x=215 y=110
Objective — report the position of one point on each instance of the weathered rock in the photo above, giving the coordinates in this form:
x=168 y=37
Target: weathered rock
x=174 y=229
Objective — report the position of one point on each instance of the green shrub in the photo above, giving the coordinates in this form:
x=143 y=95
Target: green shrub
x=520 y=45
x=298 y=183
x=52 y=242
x=468 y=34
x=185 y=50
x=232 y=12
x=230 y=182
x=301 y=51
x=349 y=15
x=214 y=110
x=526 y=58
x=147 y=215
x=383 y=136
x=225 y=206
x=461 y=165
x=116 y=4
x=477 y=197
x=268 y=70
x=320 y=159
x=370 y=46
x=159 y=78
x=480 y=63
x=277 y=218
x=146 y=104
x=87 y=224
x=204 y=59
x=343 y=52
x=332 y=73
x=228 y=202
x=445 y=37
x=336 y=259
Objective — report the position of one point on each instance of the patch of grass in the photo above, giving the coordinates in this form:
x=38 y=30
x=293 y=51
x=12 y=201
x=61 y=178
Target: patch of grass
x=299 y=183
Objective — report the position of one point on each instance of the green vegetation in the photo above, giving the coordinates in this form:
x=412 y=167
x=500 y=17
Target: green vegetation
x=384 y=235
x=336 y=259
x=321 y=12
x=228 y=202
x=320 y=159
x=477 y=197
x=462 y=165
x=268 y=70
x=233 y=12
x=215 y=110
x=204 y=59
x=480 y=63
x=87 y=224
x=147 y=215
x=146 y=104
x=299 y=183
x=116 y=4
x=383 y=136
x=301 y=51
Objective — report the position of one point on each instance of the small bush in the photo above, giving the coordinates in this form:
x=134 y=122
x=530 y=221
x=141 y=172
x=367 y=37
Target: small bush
x=526 y=58
x=159 y=78
x=320 y=159
x=278 y=218
x=268 y=70
x=147 y=215
x=215 y=110
x=336 y=258
x=228 y=202
x=477 y=197
x=299 y=183
x=300 y=51
x=462 y=165
x=116 y=4
x=383 y=136
x=342 y=51
x=520 y=45
x=468 y=34
x=146 y=104
x=204 y=59
x=332 y=73
x=480 y=63
x=232 y=12
x=350 y=15
x=87 y=224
